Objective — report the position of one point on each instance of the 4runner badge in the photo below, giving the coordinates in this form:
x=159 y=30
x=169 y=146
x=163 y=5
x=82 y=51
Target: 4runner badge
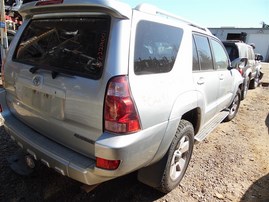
x=37 y=80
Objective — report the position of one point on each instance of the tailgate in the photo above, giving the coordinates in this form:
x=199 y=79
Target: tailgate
x=53 y=83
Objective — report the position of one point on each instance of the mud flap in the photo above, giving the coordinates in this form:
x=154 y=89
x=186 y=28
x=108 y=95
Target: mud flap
x=152 y=175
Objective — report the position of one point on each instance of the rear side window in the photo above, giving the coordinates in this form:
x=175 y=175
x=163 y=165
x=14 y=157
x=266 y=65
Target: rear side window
x=204 y=52
x=243 y=52
x=75 y=46
x=156 y=47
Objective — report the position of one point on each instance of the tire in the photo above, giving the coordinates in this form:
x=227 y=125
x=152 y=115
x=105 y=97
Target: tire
x=233 y=108
x=245 y=89
x=177 y=157
x=255 y=82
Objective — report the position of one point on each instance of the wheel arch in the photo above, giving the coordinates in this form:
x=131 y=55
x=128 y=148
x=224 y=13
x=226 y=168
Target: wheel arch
x=151 y=175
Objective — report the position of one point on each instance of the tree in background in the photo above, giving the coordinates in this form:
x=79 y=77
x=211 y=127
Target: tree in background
x=264 y=25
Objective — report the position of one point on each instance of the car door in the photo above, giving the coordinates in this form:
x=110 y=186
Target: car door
x=251 y=61
x=224 y=75
x=204 y=75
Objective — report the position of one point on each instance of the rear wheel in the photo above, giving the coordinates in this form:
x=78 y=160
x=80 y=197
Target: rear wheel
x=178 y=157
x=233 y=109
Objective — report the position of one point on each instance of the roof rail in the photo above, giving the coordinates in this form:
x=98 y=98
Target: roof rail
x=153 y=10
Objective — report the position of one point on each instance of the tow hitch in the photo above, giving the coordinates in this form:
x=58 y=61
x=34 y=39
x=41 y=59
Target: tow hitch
x=21 y=163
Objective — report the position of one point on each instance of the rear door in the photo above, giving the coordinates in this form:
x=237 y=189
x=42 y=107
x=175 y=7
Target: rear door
x=225 y=76
x=251 y=61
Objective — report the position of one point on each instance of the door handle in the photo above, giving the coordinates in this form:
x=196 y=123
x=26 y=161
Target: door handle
x=201 y=81
x=221 y=77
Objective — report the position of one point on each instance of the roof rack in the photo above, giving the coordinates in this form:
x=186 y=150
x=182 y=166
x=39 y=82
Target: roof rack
x=153 y=10
x=233 y=41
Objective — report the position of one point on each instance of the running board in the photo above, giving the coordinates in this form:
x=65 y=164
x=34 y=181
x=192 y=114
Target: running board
x=213 y=123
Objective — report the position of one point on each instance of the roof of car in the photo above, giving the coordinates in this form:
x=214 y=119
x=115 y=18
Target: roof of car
x=236 y=42
x=112 y=7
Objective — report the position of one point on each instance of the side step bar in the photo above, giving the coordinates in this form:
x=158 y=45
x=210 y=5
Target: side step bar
x=211 y=125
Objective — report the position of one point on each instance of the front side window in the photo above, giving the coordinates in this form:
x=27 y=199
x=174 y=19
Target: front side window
x=221 y=59
x=204 y=52
x=75 y=46
x=156 y=47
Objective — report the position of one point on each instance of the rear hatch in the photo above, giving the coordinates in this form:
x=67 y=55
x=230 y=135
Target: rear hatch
x=54 y=81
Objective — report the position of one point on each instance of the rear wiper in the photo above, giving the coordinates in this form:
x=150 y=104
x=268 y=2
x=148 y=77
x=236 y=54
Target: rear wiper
x=33 y=70
x=54 y=74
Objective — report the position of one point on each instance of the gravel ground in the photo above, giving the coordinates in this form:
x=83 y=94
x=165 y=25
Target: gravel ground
x=231 y=164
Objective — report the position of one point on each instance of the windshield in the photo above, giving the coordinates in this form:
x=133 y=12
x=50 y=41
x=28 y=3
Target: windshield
x=75 y=46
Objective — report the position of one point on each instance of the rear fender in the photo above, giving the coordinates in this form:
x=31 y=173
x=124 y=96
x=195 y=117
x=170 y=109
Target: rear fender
x=151 y=175
x=183 y=104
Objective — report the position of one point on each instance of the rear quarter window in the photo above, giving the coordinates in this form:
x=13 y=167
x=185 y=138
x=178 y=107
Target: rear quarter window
x=74 y=46
x=156 y=47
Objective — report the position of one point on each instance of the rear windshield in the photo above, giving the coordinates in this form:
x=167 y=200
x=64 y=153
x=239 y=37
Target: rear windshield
x=232 y=51
x=75 y=46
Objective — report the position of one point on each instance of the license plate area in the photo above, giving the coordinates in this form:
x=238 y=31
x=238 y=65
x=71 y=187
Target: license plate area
x=42 y=102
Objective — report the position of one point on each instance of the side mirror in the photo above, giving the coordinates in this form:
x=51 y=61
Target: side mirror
x=239 y=63
x=258 y=57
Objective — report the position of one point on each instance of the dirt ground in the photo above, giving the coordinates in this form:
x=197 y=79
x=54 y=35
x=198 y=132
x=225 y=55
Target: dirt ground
x=231 y=164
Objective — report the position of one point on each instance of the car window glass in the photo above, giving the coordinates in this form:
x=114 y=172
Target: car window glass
x=243 y=52
x=232 y=51
x=156 y=47
x=204 y=52
x=75 y=46
x=250 y=53
x=195 y=61
x=221 y=59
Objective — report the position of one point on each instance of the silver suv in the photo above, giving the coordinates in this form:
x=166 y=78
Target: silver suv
x=96 y=90
x=244 y=60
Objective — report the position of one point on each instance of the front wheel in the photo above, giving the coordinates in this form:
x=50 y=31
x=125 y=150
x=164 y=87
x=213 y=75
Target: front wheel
x=233 y=108
x=178 y=157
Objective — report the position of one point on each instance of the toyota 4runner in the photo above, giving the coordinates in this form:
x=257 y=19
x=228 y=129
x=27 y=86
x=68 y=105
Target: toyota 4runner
x=95 y=90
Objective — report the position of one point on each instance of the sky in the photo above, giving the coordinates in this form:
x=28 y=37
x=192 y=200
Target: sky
x=215 y=13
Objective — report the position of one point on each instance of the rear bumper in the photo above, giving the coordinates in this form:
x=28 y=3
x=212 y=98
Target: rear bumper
x=63 y=160
x=134 y=151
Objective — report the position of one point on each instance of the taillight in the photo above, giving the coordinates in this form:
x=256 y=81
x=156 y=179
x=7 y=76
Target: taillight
x=48 y=2
x=107 y=164
x=120 y=113
x=240 y=71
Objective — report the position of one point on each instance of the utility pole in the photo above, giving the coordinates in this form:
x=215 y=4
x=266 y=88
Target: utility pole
x=3 y=29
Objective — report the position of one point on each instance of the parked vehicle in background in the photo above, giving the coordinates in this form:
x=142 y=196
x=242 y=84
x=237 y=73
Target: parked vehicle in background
x=96 y=90
x=244 y=60
x=10 y=36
